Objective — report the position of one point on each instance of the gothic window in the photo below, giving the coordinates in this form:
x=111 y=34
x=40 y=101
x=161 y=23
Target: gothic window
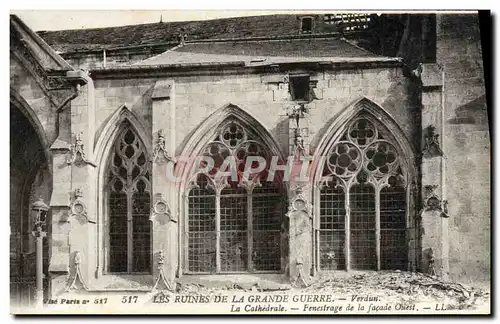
x=128 y=192
x=366 y=176
x=234 y=223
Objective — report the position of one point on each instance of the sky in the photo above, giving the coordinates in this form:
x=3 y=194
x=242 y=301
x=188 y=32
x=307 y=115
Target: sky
x=72 y=19
x=56 y=19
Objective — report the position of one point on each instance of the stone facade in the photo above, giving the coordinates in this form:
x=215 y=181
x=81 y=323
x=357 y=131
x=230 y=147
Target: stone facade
x=433 y=114
x=466 y=144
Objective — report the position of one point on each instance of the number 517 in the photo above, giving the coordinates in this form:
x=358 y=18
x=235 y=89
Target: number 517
x=129 y=299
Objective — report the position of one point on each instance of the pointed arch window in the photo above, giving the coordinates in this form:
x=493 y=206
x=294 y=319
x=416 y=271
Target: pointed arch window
x=234 y=224
x=128 y=192
x=363 y=205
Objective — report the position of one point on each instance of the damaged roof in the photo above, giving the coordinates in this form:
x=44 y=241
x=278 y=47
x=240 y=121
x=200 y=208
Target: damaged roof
x=243 y=41
x=161 y=32
x=264 y=52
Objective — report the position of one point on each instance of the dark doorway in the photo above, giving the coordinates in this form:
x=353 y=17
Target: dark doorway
x=29 y=179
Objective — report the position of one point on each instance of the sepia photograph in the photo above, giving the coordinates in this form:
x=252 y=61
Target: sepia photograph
x=250 y=162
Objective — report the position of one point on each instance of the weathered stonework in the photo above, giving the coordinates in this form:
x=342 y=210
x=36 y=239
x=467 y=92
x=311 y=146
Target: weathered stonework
x=435 y=226
x=466 y=143
x=444 y=144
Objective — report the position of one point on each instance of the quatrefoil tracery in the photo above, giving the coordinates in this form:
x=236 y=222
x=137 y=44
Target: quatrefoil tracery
x=234 y=141
x=381 y=158
x=344 y=159
x=363 y=155
x=362 y=132
x=232 y=135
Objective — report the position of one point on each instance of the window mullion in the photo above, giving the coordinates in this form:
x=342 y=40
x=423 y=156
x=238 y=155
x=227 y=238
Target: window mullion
x=377 y=225
x=217 y=233
x=317 y=227
x=347 y=220
x=410 y=266
x=129 y=219
x=250 y=231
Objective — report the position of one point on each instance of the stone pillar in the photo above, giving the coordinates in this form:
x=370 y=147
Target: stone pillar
x=39 y=267
x=301 y=234
x=301 y=248
x=59 y=205
x=164 y=210
x=434 y=222
x=300 y=209
x=82 y=224
x=413 y=230
x=72 y=173
x=39 y=232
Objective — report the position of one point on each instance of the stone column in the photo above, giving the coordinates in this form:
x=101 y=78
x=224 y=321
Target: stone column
x=300 y=235
x=434 y=222
x=70 y=149
x=39 y=267
x=39 y=232
x=300 y=208
x=82 y=224
x=59 y=205
x=164 y=211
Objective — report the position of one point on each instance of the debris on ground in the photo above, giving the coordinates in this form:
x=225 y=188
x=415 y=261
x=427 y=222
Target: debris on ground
x=391 y=286
x=402 y=286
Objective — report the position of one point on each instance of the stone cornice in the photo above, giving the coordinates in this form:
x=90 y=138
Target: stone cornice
x=237 y=67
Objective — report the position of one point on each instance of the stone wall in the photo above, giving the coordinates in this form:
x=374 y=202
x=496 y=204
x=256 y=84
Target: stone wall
x=33 y=117
x=27 y=87
x=264 y=96
x=466 y=144
x=178 y=105
x=198 y=97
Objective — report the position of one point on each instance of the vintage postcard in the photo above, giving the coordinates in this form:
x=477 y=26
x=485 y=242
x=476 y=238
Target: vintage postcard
x=220 y=162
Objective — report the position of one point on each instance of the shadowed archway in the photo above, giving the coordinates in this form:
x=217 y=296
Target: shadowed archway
x=30 y=178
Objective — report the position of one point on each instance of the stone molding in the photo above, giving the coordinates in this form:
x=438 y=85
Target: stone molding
x=161 y=209
x=77 y=154
x=78 y=207
x=432 y=202
x=299 y=203
x=432 y=147
x=160 y=154
x=77 y=279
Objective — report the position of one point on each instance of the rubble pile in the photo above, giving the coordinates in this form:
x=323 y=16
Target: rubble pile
x=402 y=286
x=390 y=286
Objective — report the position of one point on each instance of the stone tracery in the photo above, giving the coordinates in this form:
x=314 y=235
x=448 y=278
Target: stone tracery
x=129 y=190
x=234 y=221
x=367 y=185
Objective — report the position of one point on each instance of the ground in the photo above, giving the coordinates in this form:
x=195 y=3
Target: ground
x=389 y=286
